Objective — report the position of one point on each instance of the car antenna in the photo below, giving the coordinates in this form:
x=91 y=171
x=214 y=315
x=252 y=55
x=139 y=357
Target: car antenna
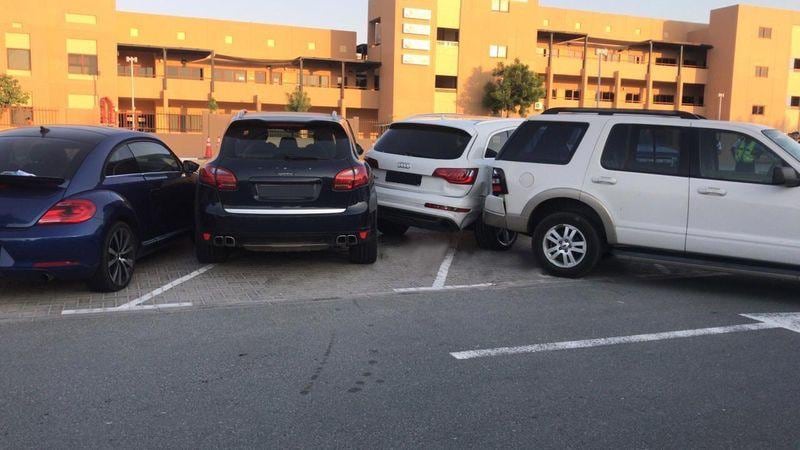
x=43 y=130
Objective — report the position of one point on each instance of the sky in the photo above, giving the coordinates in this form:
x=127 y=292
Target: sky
x=352 y=14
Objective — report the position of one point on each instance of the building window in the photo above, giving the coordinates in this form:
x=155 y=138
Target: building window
x=630 y=97
x=81 y=19
x=229 y=40
x=765 y=32
x=260 y=77
x=498 y=51
x=797 y=64
x=82 y=64
x=758 y=110
x=134 y=32
x=375 y=32
x=184 y=73
x=606 y=96
x=271 y=43
x=446 y=82
x=665 y=61
x=500 y=5
x=578 y=25
x=762 y=72
x=546 y=23
x=19 y=59
x=555 y=93
x=794 y=102
x=277 y=78
x=230 y=75
x=608 y=29
x=572 y=94
x=637 y=31
x=312 y=45
x=181 y=36
x=447 y=34
x=664 y=99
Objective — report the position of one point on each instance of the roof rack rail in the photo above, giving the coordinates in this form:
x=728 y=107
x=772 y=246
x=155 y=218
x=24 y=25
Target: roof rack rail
x=615 y=111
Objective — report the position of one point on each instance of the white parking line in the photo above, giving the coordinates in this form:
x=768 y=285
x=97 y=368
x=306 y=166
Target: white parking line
x=443 y=288
x=441 y=276
x=136 y=305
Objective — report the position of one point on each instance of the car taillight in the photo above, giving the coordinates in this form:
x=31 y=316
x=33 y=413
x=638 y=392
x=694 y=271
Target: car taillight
x=69 y=212
x=351 y=178
x=221 y=178
x=457 y=176
x=499 y=186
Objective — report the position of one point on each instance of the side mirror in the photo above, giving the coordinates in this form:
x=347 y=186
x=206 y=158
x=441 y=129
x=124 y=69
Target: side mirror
x=785 y=176
x=190 y=167
x=490 y=154
x=360 y=150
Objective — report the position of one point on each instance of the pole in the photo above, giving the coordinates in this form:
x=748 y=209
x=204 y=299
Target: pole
x=599 y=77
x=132 y=60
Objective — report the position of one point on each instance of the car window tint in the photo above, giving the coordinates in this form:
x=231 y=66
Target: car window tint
x=496 y=143
x=152 y=157
x=41 y=157
x=645 y=149
x=121 y=162
x=263 y=140
x=731 y=156
x=424 y=141
x=544 y=142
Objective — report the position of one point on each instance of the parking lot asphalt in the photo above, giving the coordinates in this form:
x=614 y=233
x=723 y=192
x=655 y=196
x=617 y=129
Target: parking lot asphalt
x=419 y=260
x=377 y=370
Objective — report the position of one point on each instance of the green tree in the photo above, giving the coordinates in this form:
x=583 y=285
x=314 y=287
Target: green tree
x=11 y=93
x=213 y=106
x=514 y=89
x=298 y=101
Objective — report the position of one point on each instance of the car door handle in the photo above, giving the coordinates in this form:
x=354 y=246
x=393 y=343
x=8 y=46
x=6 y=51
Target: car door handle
x=604 y=180
x=713 y=191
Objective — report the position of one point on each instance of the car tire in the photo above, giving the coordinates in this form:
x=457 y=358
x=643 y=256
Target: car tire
x=492 y=238
x=365 y=252
x=392 y=228
x=117 y=259
x=207 y=253
x=567 y=244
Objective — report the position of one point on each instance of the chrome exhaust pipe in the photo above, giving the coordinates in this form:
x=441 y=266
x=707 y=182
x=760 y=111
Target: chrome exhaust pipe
x=230 y=241
x=352 y=240
x=219 y=241
x=341 y=241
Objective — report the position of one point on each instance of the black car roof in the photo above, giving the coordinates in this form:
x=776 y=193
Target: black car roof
x=85 y=134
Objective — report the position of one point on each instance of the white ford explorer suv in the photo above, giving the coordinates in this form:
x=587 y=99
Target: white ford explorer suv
x=434 y=172
x=662 y=185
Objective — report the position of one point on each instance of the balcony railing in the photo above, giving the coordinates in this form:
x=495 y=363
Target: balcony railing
x=143 y=72
x=161 y=123
x=24 y=117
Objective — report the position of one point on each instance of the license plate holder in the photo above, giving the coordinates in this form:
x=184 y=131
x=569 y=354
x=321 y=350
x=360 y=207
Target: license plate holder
x=410 y=179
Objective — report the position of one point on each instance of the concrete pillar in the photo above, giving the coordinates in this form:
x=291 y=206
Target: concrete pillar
x=648 y=90
x=549 y=84
x=679 y=94
x=584 y=88
x=618 y=94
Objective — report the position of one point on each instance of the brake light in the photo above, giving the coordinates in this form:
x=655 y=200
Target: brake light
x=219 y=177
x=457 y=176
x=499 y=186
x=69 y=212
x=351 y=178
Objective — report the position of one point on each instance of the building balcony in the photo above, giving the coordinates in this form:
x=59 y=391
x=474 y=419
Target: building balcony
x=664 y=73
x=694 y=75
x=447 y=58
x=197 y=90
x=149 y=88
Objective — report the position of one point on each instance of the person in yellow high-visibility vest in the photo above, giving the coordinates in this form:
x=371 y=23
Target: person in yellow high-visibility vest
x=745 y=152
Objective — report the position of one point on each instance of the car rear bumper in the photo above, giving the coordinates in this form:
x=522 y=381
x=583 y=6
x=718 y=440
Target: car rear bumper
x=57 y=251
x=494 y=214
x=409 y=208
x=284 y=231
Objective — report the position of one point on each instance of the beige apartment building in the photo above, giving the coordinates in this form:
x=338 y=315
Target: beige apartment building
x=85 y=62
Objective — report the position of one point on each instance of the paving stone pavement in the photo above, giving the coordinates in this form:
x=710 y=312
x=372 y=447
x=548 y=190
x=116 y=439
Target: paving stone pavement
x=409 y=262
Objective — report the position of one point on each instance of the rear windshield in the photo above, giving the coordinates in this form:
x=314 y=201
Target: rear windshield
x=544 y=142
x=424 y=141
x=261 y=140
x=41 y=157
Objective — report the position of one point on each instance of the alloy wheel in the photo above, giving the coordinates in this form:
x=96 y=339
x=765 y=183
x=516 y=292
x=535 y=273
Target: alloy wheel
x=564 y=246
x=120 y=256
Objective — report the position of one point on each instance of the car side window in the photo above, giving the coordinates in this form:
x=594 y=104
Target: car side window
x=544 y=142
x=121 y=162
x=153 y=157
x=731 y=156
x=496 y=143
x=659 y=150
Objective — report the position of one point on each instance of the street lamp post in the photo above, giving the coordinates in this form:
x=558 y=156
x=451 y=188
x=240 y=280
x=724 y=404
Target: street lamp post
x=133 y=60
x=721 y=96
x=601 y=52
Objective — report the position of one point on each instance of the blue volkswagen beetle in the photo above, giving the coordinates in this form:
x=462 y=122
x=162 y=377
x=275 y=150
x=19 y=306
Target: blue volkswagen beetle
x=85 y=202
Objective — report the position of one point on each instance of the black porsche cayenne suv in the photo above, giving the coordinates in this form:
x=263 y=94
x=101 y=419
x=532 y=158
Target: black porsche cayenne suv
x=287 y=182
